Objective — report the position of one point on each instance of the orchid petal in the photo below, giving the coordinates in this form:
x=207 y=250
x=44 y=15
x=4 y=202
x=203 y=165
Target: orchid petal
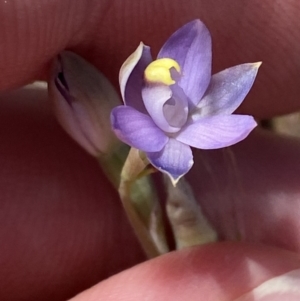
x=137 y=129
x=190 y=46
x=175 y=159
x=228 y=89
x=176 y=110
x=131 y=77
x=168 y=112
x=216 y=131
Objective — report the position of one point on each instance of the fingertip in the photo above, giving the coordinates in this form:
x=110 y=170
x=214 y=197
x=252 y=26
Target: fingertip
x=222 y=271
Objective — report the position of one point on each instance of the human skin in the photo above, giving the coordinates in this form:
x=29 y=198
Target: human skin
x=62 y=233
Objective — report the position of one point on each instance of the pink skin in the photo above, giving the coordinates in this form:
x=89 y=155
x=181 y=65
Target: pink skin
x=62 y=233
x=216 y=274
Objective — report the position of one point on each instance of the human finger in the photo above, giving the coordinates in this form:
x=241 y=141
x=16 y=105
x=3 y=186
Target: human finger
x=216 y=272
x=250 y=191
x=106 y=32
x=62 y=225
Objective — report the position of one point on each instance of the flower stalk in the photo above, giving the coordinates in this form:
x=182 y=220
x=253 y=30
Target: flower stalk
x=141 y=204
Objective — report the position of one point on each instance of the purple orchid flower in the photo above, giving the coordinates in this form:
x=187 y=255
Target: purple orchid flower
x=173 y=102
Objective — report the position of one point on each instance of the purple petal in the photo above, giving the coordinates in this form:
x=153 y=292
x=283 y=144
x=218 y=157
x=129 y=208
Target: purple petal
x=228 y=89
x=175 y=159
x=190 y=46
x=137 y=129
x=217 y=131
x=168 y=111
x=176 y=109
x=131 y=77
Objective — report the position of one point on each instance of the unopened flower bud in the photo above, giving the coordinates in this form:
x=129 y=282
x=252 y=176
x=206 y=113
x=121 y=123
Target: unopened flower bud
x=83 y=99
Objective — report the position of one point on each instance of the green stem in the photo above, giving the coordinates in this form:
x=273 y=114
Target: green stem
x=130 y=175
x=136 y=222
x=112 y=164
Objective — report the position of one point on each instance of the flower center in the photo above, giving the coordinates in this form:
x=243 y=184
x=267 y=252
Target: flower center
x=159 y=71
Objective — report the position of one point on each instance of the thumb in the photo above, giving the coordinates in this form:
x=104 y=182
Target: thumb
x=223 y=271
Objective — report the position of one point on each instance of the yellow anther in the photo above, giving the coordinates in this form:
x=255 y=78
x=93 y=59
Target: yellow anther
x=159 y=71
